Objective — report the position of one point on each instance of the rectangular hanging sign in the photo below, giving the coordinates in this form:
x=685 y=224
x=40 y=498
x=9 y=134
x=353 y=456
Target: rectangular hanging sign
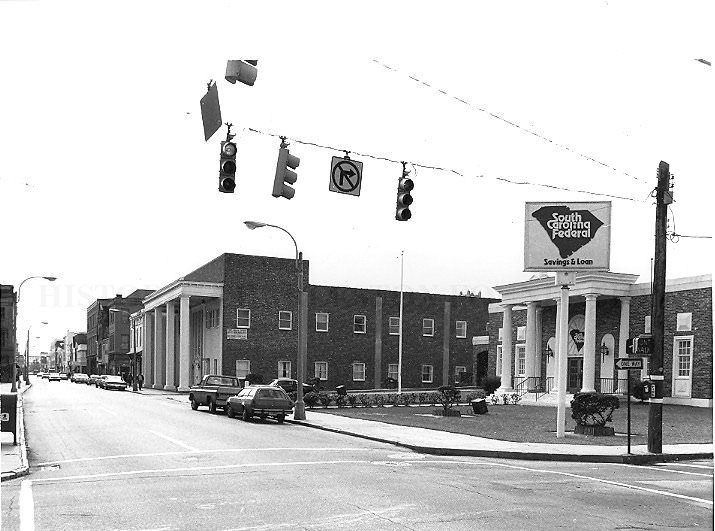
x=573 y=236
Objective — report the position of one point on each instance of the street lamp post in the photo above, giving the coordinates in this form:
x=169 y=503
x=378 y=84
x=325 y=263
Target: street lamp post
x=134 y=350
x=13 y=389
x=27 y=352
x=299 y=413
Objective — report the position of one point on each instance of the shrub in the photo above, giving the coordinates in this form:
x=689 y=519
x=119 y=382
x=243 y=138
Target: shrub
x=324 y=399
x=491 y=384
x=379 y=400
x=339 y=400
x=365 y=400
x=352 y=400
x=311 y=399
x=434 y=398
x=474 y=395
x=593 y=409
x=315 y=382
x=254 y=378
x=448 y=396
x=395 y=399
x=422 y=398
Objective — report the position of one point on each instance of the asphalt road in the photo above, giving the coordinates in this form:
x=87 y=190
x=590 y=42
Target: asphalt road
x=117 y=460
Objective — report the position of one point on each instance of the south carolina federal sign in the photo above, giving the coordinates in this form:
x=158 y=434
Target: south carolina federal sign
x=573 y=236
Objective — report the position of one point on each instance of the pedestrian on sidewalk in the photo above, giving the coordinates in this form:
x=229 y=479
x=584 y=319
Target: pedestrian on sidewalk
x=140 y=381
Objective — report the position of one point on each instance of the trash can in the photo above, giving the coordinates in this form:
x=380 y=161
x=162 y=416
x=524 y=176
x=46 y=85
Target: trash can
x=8 y=413
x=479 y=406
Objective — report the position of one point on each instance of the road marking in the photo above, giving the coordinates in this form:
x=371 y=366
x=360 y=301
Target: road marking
x=688 y=465
x=109 y=411
x=175 y=441
x=194 y=469
x=661 y=469
x=27 y=506
x=222 y=450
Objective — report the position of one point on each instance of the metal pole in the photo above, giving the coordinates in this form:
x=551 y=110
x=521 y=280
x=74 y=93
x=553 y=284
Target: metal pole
x=628 y=401
x=399 y=342
x=134 y=355
x=299 y=411
x=562 y=357
x=13 y=388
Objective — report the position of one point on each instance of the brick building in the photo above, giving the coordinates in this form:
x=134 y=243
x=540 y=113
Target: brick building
x=605 y=309
x=7 y=332
x=238 y=315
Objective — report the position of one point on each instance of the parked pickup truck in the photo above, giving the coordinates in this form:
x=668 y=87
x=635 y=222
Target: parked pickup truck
x=213 y=391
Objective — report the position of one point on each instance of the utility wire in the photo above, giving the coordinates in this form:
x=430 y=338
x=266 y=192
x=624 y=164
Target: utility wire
x=511 y=123
x=440 y=168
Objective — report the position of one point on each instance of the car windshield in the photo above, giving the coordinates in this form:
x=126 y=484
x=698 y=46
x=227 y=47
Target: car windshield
x=271 y=393
x=114 y=379
x=219 y=380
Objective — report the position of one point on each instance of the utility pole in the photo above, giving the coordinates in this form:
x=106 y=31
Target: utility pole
x=655 y=414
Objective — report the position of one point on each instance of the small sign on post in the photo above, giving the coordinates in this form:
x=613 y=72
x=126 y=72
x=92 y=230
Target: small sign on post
x=345 y=176
x=629 y=364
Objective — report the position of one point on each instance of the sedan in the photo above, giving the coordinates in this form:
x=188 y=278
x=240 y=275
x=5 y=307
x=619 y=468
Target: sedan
x=261 y=400
x=290 y=386
x=92 y=380
x=113 y=382
x=99 y=381
x=54 y=376
x=80 y=377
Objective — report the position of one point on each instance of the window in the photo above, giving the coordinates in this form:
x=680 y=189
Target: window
x=427 y=373
x=521 y=360
x=499 y=356
x=458 y=371
x=321 y=322
x=285 y=320
x=359 y=324
x=212 y=318
x=685 y=322
x=321 y=370
x=243 y=318
x=284 y=369
x=501 y=334
x=215 y=366
x=205 y=366
x=461 y=328
x=392 y=371
x=646 y=325
x=427 y=327
x=111 y=317
x=243 y=367
x=358 y=372
x=684 y=352
x=521 y=333
x=394 y=326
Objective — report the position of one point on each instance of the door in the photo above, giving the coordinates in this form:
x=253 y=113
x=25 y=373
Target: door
x=574 y=379
x=481 y=366
x=682 y=366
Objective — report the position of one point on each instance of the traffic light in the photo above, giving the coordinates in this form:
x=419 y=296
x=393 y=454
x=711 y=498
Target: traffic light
x=404 y=199
x=227 y=168
x=629 y=345
x=284 y=173
x=244 y=71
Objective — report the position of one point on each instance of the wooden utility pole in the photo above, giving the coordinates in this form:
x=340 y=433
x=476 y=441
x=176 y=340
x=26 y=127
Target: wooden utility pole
x=655 y=414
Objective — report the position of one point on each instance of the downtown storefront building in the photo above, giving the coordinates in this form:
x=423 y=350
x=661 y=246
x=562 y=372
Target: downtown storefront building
x=605 y=310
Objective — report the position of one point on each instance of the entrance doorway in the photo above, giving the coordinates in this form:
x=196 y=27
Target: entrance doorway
x=480 y=367
x=574 y=380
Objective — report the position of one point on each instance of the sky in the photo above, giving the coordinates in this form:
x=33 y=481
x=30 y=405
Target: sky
x=107 y=183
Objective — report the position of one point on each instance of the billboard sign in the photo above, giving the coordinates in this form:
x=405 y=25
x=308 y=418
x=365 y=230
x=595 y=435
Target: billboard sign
x=574 y=236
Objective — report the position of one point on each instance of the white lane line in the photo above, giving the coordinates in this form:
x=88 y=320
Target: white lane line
x=175 y=441
x=578 y=476
x=711 y=467
x=109 y=411
x=194 y=469
x=27 y=506
x=661 y=469
x=222 y=450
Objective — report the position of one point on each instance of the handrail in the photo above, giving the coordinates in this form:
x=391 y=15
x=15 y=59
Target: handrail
x=545 y=390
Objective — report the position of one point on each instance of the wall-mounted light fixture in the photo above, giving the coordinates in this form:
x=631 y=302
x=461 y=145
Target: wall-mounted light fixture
x=549 y=352
x=604 y=352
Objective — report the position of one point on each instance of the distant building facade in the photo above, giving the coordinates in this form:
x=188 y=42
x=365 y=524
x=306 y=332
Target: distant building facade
x=76 y=351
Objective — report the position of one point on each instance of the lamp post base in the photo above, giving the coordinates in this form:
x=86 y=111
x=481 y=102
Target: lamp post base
x=299 y=411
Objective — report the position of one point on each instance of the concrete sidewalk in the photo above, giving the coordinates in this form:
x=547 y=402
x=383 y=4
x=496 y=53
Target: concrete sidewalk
x=438 y=442
x=14 y=457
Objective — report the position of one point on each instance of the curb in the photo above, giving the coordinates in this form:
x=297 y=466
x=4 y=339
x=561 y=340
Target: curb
x=632 y=459
x=24 y=468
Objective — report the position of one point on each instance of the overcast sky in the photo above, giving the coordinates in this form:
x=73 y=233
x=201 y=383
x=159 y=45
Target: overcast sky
x=107 y=183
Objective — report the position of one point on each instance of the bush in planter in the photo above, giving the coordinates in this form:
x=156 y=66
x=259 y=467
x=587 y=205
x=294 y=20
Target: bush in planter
x=448 y=396
x=379 y=400
x=591 y=411
x=352 y=400
x=491 y=384
x=311 y=399
x=339 y=399
x=365 y=400
x=324 y=399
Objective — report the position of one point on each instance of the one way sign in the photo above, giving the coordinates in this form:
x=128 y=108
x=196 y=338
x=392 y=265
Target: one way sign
x=623 y=364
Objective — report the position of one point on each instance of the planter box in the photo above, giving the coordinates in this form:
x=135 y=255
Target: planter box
x=449 y=413
x=594 y=430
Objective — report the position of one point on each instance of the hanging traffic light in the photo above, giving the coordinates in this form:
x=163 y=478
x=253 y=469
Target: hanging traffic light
x=242 y=70
x=404 y=198
x=284 y=172
x=227 y=168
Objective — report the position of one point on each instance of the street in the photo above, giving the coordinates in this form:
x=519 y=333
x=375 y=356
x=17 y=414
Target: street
x=118 y=460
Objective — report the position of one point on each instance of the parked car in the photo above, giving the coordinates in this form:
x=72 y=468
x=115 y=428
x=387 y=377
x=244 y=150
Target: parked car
x=290 y=386
x=92 y=380
x=261 y=400
x=114 y=382
x=99 y=382
x=63 y=376
x=46 y=375
x=54 y=377
x=41 y=374
x=213 y=390
x=80 y=377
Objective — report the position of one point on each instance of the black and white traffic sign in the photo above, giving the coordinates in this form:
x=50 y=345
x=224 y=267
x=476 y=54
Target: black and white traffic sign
x=345 y=176
x=623 y=364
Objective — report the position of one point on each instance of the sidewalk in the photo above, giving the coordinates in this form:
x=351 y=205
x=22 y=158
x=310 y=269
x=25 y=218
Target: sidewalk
x=444 y=443
x=14 y=457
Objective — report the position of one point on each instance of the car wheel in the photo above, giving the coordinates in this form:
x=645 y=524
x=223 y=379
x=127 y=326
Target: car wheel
x=212 y=406
x=264 y=417
x=194 y=404
x=230 y=412
x=246 y=416
x=280 y=419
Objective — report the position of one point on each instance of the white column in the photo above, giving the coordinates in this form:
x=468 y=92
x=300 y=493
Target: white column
x=148 y=350
x=539 y=339
x=555 y=360
x=589 y=346
x=562 y=357
x=170 y=347
x=507 y=352
x=159 y=349
x=624 y=330
x=184 y=344
x=530 y=342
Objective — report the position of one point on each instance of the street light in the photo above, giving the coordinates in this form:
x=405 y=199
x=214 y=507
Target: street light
x=27 y=352
x=134 y=352
x=13 y=389
x=299 y=413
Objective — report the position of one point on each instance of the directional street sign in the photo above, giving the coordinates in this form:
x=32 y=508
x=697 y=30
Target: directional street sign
x=210 y=112
x=345 y=176
x=632 y=364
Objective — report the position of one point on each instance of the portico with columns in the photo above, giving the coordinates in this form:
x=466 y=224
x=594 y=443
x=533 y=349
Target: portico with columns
x=182 y=334
x=529 y=331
